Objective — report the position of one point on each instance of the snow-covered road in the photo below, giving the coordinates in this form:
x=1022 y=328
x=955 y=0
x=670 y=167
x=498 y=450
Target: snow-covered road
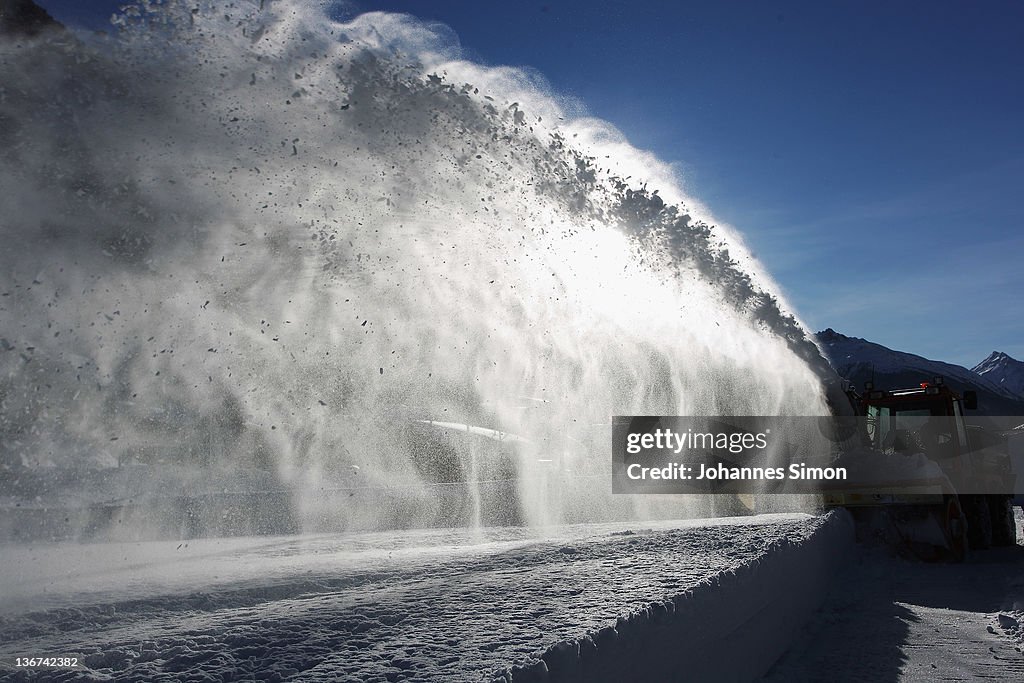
x=890 y=620
x=417 y=605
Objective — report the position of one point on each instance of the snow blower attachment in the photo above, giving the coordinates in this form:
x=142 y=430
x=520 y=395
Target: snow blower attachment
x=942 y=488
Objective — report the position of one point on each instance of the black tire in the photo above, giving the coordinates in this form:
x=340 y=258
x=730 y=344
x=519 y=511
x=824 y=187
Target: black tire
x=979 y=521
x=956 y=524
x=951 y=518
x=1004 y=526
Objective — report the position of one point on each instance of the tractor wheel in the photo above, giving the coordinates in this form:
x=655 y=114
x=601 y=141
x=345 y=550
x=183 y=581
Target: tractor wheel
x=979 y=521
x=956 y=530
x=1004 y=527
x=948 y=518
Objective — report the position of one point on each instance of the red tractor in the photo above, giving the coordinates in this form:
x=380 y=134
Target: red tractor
x=972 y=504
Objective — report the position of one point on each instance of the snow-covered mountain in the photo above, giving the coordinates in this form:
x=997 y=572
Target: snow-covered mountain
x=859 y=361
x=1004 y=371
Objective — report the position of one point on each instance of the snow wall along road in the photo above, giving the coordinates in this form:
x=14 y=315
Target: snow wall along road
x=679 y=600
x=261 y=250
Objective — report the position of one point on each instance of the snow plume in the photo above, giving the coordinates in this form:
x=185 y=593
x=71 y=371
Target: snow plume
x=249 y=239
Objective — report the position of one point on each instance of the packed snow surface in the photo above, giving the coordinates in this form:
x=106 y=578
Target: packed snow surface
x=893 y=620
x=416 y=605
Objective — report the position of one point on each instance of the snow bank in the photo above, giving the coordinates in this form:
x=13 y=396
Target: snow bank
x=730 y=627
x=716 y=599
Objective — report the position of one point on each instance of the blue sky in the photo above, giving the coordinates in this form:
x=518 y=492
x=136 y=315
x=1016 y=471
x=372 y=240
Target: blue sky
x=871 y=153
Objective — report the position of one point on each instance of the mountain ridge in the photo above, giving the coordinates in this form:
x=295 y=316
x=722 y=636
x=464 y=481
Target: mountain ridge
x=1004 y=371
x=860 y=360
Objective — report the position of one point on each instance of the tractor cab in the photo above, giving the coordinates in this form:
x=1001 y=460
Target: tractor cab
x=927 y=418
